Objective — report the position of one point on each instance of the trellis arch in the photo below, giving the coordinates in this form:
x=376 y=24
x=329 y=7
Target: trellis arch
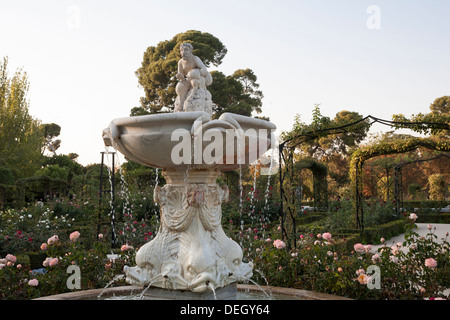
x=286 y=151
x=320 y=184
x=359 y=157
x=398 y=179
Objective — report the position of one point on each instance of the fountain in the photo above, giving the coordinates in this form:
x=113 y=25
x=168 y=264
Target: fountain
x=191 y=257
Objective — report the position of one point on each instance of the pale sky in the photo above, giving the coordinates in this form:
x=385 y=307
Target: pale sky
x=375 y=57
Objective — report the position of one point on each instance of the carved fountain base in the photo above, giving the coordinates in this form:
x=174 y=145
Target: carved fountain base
x=191 y=252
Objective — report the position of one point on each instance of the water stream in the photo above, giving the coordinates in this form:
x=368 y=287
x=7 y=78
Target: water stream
x=118 y=277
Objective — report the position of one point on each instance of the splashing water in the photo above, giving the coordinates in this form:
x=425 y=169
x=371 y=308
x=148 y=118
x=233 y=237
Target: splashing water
x=241 y=190
x=265 y=218
x=212 y=289
x=116 y=278
x=112 y=213
x=145 y=290
x=245 y=279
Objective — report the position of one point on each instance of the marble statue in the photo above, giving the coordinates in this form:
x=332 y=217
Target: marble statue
x=193 y=77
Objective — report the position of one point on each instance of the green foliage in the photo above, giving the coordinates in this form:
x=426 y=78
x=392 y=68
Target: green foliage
x=325 y=136
x=436 y=122
x=237 y=93
x=21 y=136
x=398 y=146
x=437 y=187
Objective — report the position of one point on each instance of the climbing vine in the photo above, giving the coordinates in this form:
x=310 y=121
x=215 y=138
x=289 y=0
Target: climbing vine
x=320 y=184
x=361 y=155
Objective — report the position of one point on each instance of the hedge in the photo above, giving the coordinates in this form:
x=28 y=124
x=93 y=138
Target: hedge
x=434 y=218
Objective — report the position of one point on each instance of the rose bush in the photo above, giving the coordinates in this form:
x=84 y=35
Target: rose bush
x=96 y=270
x=418 y=268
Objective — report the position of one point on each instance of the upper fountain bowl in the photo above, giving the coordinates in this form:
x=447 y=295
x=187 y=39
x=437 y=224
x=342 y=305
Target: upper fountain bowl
x=191 y=139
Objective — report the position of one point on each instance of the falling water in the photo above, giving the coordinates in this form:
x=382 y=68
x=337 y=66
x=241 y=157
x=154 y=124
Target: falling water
x=212 y=289
x=126 y=192
x=111 y=204
x=148 y=287
x=251 y=213
x=245 y=279
x=156 y=204
x=241 y=190
x=265 y=218
x=118 y=277
x=265 y=280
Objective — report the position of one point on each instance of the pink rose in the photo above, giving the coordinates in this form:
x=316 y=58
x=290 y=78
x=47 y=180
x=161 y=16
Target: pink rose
x=126 y=247
x=359 y=248
x=33 y=282
x=52 y=239
x=43 y=246
x=326 y=235
x=363 y=279
x=11 y=258
x=53 y=262
x=46 y=262
x=74 y=236
x=430 y=263
x=279 y=244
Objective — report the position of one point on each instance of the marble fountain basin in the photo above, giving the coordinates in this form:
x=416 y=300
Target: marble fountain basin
x=193 y=139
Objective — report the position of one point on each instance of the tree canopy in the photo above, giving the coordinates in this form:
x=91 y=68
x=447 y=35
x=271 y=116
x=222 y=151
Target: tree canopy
x=21 y=136
x=237 y=93
x=325 y=136
x=436 y=122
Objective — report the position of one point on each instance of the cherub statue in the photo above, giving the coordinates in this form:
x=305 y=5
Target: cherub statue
x=193 y=77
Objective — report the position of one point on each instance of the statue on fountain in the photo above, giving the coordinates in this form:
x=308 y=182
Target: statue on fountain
x=193 y=77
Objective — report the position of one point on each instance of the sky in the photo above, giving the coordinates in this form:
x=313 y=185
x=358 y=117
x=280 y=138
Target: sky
x=378 y=57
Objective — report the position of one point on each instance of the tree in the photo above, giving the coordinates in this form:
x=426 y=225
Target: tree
x=441 y=105
x=237 y=93
x=21 y=136
x=436 y=123
x=323 y=137
x=51 y=131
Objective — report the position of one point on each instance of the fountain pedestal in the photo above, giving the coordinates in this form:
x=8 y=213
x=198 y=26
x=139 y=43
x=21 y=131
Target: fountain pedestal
x=191 y=251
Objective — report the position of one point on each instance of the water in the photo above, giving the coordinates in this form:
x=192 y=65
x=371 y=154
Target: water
x=240 y=295
x=241 y=190
x=245 y=279
x=112 y=213
x=265 y=217
x=118 y=277
x=213 y=290
x=145 y=290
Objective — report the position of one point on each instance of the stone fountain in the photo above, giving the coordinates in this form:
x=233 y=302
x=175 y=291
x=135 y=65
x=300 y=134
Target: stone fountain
x=191 y=255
